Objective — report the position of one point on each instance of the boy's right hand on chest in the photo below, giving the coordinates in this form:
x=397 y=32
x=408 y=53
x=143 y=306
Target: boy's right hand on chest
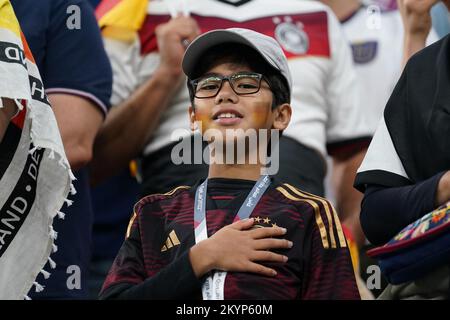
x=239 y=248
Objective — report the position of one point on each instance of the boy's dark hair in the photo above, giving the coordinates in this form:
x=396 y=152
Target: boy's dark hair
x=243 y=55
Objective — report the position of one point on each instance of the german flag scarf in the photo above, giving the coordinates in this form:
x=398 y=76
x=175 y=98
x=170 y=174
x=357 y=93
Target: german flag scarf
x=35 y=176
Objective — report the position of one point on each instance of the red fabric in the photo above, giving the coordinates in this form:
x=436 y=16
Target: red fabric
x=314 y=24
x=104 y=7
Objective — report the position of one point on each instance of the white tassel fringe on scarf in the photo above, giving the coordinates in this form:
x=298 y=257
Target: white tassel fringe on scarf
x=38 y=179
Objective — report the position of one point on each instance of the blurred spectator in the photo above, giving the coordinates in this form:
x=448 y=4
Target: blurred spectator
x=439 y=14
x=64 y=38
x=417 y=24
x=376 y=38
x=375 y=33
x=405 y=173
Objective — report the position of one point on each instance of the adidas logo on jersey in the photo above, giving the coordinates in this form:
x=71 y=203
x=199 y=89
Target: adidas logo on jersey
x=172 y=241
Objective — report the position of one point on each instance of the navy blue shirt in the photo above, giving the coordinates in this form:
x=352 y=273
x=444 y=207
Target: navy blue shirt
x=73 y=61
x=396 y=207
x=113 y=202
x=94 y=3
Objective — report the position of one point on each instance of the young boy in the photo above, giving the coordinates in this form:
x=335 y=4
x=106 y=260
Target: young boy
x=229 y=237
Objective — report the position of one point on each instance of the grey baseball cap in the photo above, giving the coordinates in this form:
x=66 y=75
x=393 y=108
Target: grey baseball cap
x=265 y=46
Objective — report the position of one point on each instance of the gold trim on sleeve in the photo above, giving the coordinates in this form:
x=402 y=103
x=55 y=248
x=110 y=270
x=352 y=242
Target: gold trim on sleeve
x=341 y=236
x=130 y=224
x=319 y=221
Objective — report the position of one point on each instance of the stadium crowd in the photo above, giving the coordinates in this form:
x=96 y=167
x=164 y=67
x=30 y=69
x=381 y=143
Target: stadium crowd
x=110 y=105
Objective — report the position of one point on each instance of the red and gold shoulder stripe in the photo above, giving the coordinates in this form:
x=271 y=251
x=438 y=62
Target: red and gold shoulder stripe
x=171 y=192
x=139 y=204
x=130 y=224
x=153 y=196
x=323 y=211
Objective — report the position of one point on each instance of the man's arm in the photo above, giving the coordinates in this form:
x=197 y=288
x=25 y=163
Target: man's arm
x=129 y=126
x=7 y=112
x=417 y=24
x=77 y=77
x=78 y=121
x=386 y=211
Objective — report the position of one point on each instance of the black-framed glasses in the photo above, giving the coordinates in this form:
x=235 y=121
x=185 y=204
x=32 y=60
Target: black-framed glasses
x=242 y=83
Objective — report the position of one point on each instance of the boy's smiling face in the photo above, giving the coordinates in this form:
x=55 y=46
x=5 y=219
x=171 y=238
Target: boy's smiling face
x=228 y=110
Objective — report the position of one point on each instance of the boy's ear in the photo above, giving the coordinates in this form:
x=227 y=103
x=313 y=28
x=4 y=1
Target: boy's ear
x=192 y=118
x=282 y=116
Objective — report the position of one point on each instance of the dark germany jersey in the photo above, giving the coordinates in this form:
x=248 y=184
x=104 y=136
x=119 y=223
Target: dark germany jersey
x=153 y=262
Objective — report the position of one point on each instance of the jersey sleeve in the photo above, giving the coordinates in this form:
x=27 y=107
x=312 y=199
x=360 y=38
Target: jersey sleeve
x=328 y=271
x=381 y=165
x=129 y=278
x=76 y=62
x=346 y=126
x=128 y=266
